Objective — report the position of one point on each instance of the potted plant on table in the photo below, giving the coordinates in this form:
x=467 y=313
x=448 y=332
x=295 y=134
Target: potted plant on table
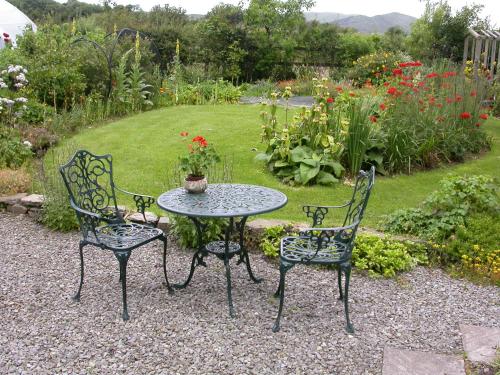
x=196 y=163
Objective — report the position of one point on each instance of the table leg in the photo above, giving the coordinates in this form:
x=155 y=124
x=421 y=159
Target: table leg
x=198 y=256
x=227 y=237
x=244 y=258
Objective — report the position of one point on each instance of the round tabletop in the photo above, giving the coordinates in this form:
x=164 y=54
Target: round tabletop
x=223 y=200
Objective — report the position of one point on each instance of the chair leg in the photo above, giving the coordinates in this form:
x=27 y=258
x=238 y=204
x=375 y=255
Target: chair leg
x=339 y=280
x=170 y=289
x=123 y=260
x=284 y=267
x=347 y=271
x=76 y=297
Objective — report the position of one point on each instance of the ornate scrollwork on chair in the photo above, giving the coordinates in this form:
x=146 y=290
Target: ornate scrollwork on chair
x=89 y=180
x=327 y=245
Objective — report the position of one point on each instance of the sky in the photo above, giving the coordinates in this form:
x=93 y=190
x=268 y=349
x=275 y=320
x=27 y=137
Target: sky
x=366 y=7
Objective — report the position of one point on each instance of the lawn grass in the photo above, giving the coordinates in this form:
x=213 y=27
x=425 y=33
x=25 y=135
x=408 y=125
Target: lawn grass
x=145 y=145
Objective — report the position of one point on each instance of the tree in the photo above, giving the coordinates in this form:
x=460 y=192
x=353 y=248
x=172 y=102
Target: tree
x=439 y=33
x=273 y=28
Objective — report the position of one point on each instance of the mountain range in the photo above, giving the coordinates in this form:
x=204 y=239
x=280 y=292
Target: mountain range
x=364 y=24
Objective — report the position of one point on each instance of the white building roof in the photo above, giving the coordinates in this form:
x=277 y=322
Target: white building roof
x=12 y=21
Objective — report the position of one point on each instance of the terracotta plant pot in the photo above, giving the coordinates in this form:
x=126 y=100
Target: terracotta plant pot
x=195 y=184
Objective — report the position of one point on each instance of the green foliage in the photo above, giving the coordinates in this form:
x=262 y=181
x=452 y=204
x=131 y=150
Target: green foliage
x=431 y=115
x=439 y=33
x=375 y=68
x=201 y=157
x=185 y=230
x=271 y=238
x=57 y=213
x=385 y=256
x=474 y=249
x=13 y=152
x=446 y=209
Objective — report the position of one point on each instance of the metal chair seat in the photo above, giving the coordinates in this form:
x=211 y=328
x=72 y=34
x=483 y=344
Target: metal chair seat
x=305 y=250
x=126 y=236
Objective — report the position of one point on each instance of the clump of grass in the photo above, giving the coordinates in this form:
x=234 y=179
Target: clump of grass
x=13 y=181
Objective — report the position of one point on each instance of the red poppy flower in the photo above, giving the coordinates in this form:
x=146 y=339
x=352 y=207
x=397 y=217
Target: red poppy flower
x=478 y=124
x=416 y=63
x=404 y=65
x=382 y=106
x=373 y=119
x=431 y=75
x=449 y=74
x=330 y=100
x=449 y=100
x=397 y=72
x=392 y=91
x=465 y=115
x=473 y=93
x=184 y=134
x=483 y=116
x=458 y=98
x=351 y=94
x=339 y=89
x=386 y=84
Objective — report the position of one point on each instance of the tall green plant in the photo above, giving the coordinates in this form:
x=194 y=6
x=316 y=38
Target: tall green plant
x=137 y=88
x=56 y=211
x=358 y=133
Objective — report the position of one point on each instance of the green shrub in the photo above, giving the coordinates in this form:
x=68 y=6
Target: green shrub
x=446 y=209
x=185 y=230
x=271 y=238
x=57 y=214
x=13 y=152
x=474 y=249
x=375 y=68
x=386 y=257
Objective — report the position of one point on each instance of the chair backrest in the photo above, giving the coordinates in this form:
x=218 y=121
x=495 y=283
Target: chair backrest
x=89 y=180
x=360 y=195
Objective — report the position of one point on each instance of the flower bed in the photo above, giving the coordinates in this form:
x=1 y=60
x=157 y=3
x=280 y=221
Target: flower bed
x=416 y=118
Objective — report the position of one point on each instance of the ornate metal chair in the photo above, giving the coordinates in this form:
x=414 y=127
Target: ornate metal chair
x=92 y=194
x=326 y=245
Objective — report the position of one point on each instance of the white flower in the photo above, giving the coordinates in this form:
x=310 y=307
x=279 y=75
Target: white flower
x=27 y=144
x=2 y=85
x=21 y=100
x=8 y=102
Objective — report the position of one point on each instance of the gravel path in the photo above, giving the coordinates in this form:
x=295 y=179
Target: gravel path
x=43 y=331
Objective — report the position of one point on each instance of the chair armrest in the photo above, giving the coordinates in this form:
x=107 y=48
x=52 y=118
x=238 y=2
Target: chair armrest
x=318 y=213
x=89 y=221
x=82 y=211
x=141 y=201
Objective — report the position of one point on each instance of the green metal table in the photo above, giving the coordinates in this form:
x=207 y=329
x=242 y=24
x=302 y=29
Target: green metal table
x=236 y=202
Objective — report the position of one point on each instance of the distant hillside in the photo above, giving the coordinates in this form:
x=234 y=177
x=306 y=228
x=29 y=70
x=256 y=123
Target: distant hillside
x=365 y=24
x=325 y=17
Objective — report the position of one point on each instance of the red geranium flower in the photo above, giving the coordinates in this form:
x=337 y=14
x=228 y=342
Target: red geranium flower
x=465 y=115
x=330 y=100
x=483 y=116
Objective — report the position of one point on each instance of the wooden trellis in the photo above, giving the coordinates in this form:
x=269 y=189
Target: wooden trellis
x=483 y=49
